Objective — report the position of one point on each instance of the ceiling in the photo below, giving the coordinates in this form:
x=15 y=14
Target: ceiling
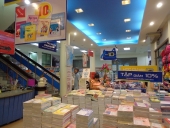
x=108 y=19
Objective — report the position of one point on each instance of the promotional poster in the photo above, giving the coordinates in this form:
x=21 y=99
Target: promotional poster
x=69 y=55
x=109 y=54
x=41 y=21
x=48 y=45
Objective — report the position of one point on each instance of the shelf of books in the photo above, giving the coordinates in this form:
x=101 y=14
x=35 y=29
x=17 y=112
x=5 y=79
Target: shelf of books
x=111 y=108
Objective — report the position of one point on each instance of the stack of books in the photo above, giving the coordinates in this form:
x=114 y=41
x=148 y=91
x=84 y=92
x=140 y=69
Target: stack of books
x=54 y=100
x=155 y=103
x=101 y=104
x=40 y=96
x=157 y=125
x=76 y=99
x=137 y=92
x=130 y=97
x=122 y=98
x=115 y=100
x=64 y=99
x=95 y=123
x=108 y=99
x=88 y=102
x=70 y=99
x=27 y=113
x=145 y=96
x=167 y=122
x=125 y=113
x=155 y=115
x=84 y=119
x=61 y=118
x=95 y=109
x=165 y=108
x=72 y=126
x=140 y=122
x=141 y=110
x=82 y=101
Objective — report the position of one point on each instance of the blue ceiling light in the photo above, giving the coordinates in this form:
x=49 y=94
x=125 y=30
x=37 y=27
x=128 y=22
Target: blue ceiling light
x=108 y=18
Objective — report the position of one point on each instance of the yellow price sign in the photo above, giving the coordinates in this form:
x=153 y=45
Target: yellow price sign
x=44 y=10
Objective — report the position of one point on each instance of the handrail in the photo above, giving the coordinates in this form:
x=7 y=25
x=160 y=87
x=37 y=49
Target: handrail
x=45 y=70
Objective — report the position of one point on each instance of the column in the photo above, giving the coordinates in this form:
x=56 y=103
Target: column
x=153 y=59
x=63 y=66
x=39 y=58
x=169 y=27
x=92 y=65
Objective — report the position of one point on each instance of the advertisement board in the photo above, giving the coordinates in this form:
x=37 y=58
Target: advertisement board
x=7 y=44
x=48 y=45
x=10 y=2
x=41 y=21
x=108 y=54
x=139 y=68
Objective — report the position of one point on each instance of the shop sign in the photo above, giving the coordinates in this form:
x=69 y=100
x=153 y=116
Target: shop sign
x=41 y=21
x=139 y=68
x=86 y=73
x=107 y=54
x=49 y=45
x=141 y=76
x=10 y=2
x=7 y=44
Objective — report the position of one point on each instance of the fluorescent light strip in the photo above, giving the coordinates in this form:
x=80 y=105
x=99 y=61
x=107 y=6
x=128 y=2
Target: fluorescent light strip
x=35 y=44
x=127 y=20
x=91 y=24
x=125 y=2
x=127 y=48
x=128 y=30
x=83 y=51
x=75 y=47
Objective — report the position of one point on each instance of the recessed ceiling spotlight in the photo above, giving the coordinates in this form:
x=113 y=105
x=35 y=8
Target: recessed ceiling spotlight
x=104 y=39
x=99 y=33
x=27 y=2
x=75 y=47
x=83 y=51
x=75 y=33
x=128 y=30
x=127 y=20
x=79 y=10
x=35 y=44
x=18 y=49
x=91 y=25
x=84 y=39
x=91 y=44
x=159 y=5
x=127 y=48
x=128 y=38
x=144 y=41
x=125 y=2
x=151 y=23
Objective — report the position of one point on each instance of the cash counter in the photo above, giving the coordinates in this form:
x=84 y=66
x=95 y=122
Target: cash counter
x=11 y=105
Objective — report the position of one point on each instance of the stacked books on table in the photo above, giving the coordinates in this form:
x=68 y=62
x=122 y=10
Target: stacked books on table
x=101 y=104
x=155 y=103
x=96 y=123
x=40 y=96
x=141 y=110
x=130 y=97
x=155 y=115
x=95 y=108
x=54 y=100
x=165 y=108
x=76 y=99
x=82 y=101
x=64 y=99
x=70 y=99
x=167 y=122
x=140 y=122
x=115 y=100
x=157 y=125
x=72 y=126
x=84 y=119
x=88 y=104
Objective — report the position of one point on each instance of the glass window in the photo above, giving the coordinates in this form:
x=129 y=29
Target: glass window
x=46 y=60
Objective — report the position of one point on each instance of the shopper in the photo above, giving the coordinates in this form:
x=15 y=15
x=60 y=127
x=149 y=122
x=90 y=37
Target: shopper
x=95 y=83
x=76 y=79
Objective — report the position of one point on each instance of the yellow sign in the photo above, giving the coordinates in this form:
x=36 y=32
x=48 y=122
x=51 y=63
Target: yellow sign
x=10 y=2
x=44 y=10
x=139 y=68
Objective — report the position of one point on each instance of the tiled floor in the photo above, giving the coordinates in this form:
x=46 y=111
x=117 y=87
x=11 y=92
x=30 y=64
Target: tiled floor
x=16 y=124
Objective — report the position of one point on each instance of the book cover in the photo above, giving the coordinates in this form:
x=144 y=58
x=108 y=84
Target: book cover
x=33 y=19
x=22 y=29
x=61 y=111
x=141 y=121
x=30 y=33
x=127 y=108
x=54 y=27
x=85 y=112
x=43 y=27
x=18 y=24
x=111 y=112
x=60 y=16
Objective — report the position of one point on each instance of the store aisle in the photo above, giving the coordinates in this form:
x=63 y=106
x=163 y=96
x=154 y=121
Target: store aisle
x=16 y=124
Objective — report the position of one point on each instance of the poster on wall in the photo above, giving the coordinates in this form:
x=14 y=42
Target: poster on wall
x=7 y=44
x=86 y=73
x=69 y=55
x=85 y=59
x=69 y=79
x=10 y=2
x=55 y=61
x=41 y=21
x=109 y=54
x=48 y=45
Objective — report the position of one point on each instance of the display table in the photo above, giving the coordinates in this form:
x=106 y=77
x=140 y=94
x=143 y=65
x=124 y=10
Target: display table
x=11 y=105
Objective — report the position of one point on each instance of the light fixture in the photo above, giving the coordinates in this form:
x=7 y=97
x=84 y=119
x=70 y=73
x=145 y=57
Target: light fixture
x=91 y=25
x=128 y=30
x=75 y=47
x=31 y=52
x=127 y=48
x=35 y=5
x=35 y=44
x=99 y=33
x=127 y=20
x=75 y=33
x=151 y=23
x=159 y=5
x=18 y=49
x=27 y=2
x=83 y=51
x=104 y=39
x=79 y=10
x=144 y=41
x=128 y=38
x=125 y=2
x=91 y=44
x=58 y=41
x=84 y=39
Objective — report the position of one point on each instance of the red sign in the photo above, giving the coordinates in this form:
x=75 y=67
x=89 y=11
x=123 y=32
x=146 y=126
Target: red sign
x=20 y=12
x=7 y=43
x=90 y=53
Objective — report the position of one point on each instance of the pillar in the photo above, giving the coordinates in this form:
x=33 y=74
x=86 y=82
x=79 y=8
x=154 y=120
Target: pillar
x=92 y=65
x=153 y=59
x=39 y=58
x=63 y=67
x=169 y=28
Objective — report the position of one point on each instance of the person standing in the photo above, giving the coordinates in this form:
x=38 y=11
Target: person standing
x=76 y=79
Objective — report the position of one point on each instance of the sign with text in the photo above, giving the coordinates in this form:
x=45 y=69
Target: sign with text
x=49 y=45
x=141 y=76
x=10 y=2
x=40 y=21
x=86 y=73
x=7 y=44
x=109 y=54
x=139 y=68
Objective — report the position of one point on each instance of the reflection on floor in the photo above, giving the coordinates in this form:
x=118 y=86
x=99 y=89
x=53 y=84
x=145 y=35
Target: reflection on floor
x=16 y=124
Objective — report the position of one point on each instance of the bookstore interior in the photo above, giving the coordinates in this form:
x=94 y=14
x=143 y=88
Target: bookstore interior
x=84 y=64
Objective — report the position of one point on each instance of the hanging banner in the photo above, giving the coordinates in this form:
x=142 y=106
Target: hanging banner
x=69 y=79
x=49 y=45
x=90 y=53
x=41 y=21
x=108 y=54
x=141 y=76
x=69 y=55
x=85 y=59
x=10 y=2
x=7 y=44
x=86 y=73
x=139 y=68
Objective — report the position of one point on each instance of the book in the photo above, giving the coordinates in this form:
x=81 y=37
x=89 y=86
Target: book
x=43 y=27
x=140 y=122
x=22 y=29
x=30 y=33
x=54 y=28
x=33 y=19
x=18 y=25
x=60 y=16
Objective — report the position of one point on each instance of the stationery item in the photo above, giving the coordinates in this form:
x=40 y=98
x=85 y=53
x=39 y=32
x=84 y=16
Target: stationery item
x=33 y=19
x=43 y=27
x=22 y=29
x=54 y=28
x=30 y=33
x=18 y=30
